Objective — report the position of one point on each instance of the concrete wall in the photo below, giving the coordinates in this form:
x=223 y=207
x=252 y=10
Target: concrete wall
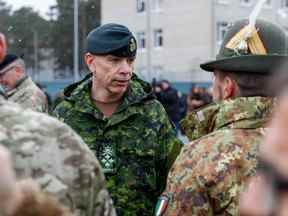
x=189 y=30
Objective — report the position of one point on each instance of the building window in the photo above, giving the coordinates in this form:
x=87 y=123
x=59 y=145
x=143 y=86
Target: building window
x=284 y=4
x=221 y=30
x=141 y=6
x=158 y=38
x=268 y=4
x=157 y=5
x=141 y=40
x=246 y=2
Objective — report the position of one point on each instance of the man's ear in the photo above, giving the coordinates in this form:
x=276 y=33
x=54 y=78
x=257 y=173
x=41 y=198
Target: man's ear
x=88 y=58
x=229 y=88
x=19 y=71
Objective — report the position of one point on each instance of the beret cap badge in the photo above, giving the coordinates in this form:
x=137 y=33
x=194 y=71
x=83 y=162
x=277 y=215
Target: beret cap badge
x=132 y=45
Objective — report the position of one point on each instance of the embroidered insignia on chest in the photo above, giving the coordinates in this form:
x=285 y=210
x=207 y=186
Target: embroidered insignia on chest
x=106 y=155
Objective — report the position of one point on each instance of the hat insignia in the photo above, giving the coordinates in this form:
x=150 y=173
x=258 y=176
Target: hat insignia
x=132 y=45
x=247 y=40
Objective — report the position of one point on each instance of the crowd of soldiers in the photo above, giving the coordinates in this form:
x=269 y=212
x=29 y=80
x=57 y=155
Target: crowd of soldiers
x=111 y=149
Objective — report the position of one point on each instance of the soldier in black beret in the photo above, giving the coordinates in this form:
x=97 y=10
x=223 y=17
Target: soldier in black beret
x=112 y=39
x=119 y=118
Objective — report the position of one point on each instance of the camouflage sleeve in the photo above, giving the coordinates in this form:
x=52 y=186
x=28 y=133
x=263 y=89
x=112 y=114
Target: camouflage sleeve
x=170 y=147
x=60 y=110
x=204 y=183
x=60 y=162
x=39 y=102
x=89 y=179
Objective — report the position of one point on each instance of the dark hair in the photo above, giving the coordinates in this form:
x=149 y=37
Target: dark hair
x=251 y=84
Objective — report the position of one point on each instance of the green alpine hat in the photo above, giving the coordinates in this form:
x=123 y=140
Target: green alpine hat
x=111 y=39
x=254 y=50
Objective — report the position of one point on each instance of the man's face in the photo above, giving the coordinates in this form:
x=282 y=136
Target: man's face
x=9 y=77
x=112 y=73
x=217 y=88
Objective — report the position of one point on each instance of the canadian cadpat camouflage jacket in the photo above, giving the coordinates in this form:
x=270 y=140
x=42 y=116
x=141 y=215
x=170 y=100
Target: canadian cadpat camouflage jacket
x=28 y=95
x=210 y=172
x=56 y=158
x=136 y=146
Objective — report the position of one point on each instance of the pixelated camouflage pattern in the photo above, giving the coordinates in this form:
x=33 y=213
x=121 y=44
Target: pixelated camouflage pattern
x=141 y=141
x=55 y=157
x=28 y=95
x=210 y=172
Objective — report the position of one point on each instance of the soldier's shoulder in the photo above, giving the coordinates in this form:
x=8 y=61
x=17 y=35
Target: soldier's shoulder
x=63 y=108
x=215 y=153
x=153 y=107
x=16 y=118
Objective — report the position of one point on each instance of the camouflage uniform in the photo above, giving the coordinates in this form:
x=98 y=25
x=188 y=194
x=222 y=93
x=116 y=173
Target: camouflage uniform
x=136 y=145
x=209 y=173
x=28 y=95
x=56 y=158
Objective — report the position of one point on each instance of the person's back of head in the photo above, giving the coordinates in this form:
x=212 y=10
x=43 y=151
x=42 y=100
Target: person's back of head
x=35 y=202
x=24 y=197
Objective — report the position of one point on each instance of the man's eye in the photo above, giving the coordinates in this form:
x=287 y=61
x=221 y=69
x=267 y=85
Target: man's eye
x=114 y=60
x=130 y=60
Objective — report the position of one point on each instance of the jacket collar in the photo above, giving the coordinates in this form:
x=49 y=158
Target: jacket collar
x=21 y=83
x=239 y=113
x=137 y=92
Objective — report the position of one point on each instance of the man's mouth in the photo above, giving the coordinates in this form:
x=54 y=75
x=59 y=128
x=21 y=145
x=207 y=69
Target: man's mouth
x=121 y=82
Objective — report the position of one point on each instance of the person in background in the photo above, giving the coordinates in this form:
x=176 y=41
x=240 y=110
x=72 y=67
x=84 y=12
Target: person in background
x=19 y=87
x=168 y=96
x=197 y=98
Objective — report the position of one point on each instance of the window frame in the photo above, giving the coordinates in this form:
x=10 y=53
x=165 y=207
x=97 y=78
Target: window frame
x=156 y=7
x=141 y=40
x=221 y=29
x=284 y=4
x=141 y=6
x=158 y=38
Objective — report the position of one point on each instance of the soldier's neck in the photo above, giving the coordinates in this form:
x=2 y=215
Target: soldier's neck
x=105 y=101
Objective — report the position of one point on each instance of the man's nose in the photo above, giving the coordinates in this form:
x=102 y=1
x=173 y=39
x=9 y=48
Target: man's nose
x=126 y=67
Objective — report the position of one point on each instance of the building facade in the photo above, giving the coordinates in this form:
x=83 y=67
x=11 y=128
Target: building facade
x=174 y=37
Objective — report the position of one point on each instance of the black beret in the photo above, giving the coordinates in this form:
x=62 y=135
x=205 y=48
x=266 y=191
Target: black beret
x=9 y=58
x=111 y=39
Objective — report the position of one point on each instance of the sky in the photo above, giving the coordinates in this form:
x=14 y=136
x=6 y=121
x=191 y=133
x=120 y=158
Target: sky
x=42 y=6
